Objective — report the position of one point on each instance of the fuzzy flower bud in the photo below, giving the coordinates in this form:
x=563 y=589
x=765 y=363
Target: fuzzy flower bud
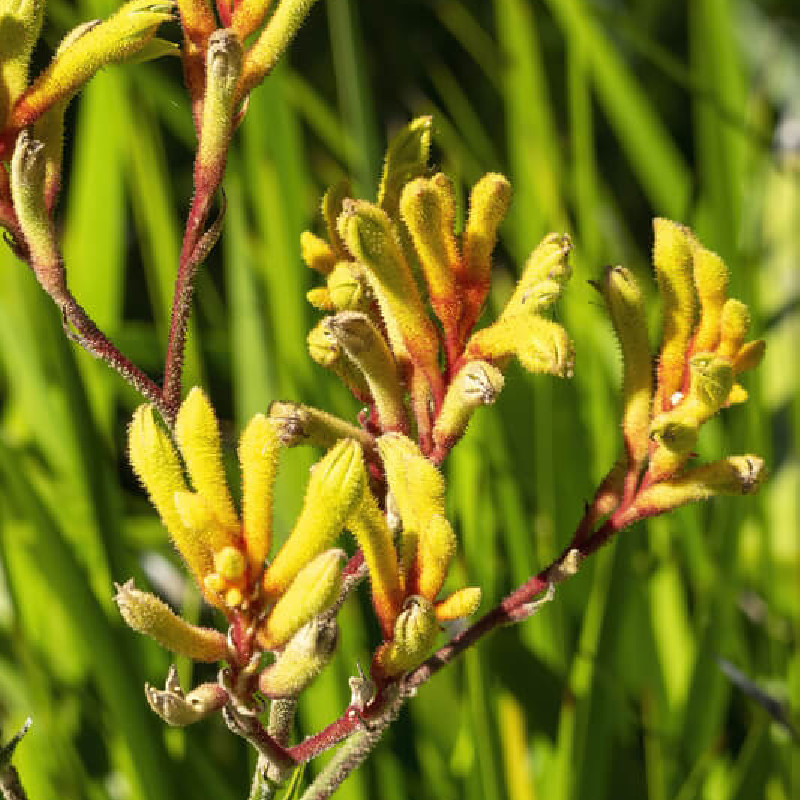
x=463 y=603
x=336 y=486
x=145 y=613
x=29 y=195
x=306 y=655
x=158 y=467
x=313 y=591
x=197 y=434
x=625 y=304
x=477 y=384
x=414 y=634
x=259 y=451
x=488 y=204
x=316 y=253
x=406 y=158
x=672 y=258
x=544 y=276
x=367 y=349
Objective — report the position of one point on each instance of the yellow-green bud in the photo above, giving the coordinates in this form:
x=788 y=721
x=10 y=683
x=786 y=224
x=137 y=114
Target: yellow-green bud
x=367 y=349
x=306 y=655
x=347 y=287
x=414 y=634
x=406 y=158
x=335 y=487
x=314 y=590
x=147 y=614
x=476 y=384
x=316 y=253
x=544 y=276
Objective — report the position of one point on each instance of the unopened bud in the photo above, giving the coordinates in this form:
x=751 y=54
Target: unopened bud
x=259 y=452
x=335 y=487
x=316 y=253
x=711 y=278
x=463 y=603
x=198 y=437
x=306 y=655
x=406 y=158
x=414 y=634
x=347 y=287
x=28 y=192
x=147 y=614
x=734 y=325
x=314 y=590
x=367 y=349
x=476 y=384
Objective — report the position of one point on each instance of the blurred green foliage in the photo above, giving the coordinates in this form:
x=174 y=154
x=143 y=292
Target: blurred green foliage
x=603 y=114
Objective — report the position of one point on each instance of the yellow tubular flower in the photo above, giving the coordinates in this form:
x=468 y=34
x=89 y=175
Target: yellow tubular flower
x=711 y=277
x=157 y=466
x=259 y=451
x=370 y=237
x=488 y=204
x=672 y=258
x=147 y=614
x=334 y=489
x=406 y=158
x=119 y=37
x=332 y=203
x=625 y=304
x=316 y=253
x=735 y=475
x=544 y=276
x=367 y=349
x=463 y=603
x=314 y=590
x=437 y=546
x=368 y=524
x=734 y=325
x=541 y=345
x=427 y=207
x=320 y=298
x=306 y=655
x=197 y=434
x=414 y=634
x=477 y=384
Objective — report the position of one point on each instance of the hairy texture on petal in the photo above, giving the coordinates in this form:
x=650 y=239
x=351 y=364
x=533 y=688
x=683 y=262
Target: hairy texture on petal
x=147 y=614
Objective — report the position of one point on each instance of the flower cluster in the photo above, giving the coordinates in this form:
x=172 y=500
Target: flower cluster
x=703 y=353
x=420 y=373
